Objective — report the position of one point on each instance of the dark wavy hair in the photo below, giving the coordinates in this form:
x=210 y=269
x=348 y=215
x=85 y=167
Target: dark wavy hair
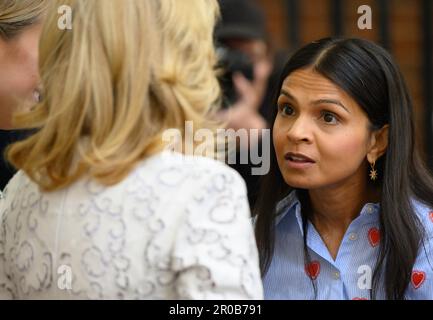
x=370 y=76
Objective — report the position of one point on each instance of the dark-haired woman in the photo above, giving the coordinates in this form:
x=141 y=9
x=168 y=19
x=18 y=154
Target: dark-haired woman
x=345 y=210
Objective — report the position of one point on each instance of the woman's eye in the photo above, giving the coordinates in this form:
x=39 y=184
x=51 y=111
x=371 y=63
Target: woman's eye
x=329 y=118
x=286 y=109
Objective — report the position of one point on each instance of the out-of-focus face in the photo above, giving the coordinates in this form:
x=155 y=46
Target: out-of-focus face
x=258 y=53
x=18 y=72
x=321 y=135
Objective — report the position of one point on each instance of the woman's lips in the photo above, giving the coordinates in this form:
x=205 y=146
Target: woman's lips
x=298 y=160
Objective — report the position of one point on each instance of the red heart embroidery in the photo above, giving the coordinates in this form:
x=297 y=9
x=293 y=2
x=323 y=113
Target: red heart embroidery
x=313 y=269
x=374 y=236
x=418 y=278
x=431 y=216
x=358 y=298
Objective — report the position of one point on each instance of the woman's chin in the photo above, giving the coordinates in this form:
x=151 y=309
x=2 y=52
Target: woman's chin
x=298 y=184
x=302 y=182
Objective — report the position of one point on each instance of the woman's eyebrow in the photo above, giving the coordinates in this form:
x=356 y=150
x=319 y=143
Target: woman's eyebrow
x=330 y=101
x=320 y=101
x=288 y=95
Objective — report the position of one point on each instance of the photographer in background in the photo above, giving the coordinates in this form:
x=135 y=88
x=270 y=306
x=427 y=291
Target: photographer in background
x=245 y=56
x=246 y=59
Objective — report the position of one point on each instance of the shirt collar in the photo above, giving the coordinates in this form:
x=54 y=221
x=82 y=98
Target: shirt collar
x=286 y=205
x=291 y=202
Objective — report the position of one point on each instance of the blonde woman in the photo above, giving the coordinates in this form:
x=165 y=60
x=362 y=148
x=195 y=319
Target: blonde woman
x=98 y=210
x=20 y=27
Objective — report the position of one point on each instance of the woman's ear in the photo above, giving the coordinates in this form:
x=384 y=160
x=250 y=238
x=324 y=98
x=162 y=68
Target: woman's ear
x=378 y=144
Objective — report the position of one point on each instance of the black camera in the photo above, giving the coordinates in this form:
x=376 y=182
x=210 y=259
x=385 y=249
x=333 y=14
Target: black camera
x=233 y=61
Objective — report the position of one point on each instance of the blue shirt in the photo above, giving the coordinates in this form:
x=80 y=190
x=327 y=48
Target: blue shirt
x=349 y=275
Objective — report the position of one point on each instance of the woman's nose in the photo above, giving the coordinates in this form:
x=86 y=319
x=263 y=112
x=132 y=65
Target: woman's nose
x=300 y=130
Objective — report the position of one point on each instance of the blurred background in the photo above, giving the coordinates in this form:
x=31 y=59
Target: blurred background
x=404 y=27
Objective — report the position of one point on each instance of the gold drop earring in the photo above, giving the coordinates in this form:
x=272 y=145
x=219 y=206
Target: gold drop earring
x=373 y=171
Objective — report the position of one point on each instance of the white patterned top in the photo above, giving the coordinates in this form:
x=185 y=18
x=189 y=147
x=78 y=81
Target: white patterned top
x=176 y=228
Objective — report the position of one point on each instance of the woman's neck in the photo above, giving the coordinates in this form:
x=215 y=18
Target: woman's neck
x=332 y=209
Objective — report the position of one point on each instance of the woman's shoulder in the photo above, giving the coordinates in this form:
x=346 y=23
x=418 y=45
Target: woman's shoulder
x=166 y=176
x=179 y=167
x=421 y=284
x=169 y=158
x=14 y=184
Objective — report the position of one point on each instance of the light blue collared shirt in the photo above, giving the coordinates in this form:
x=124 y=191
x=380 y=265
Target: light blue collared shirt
x=349 y=275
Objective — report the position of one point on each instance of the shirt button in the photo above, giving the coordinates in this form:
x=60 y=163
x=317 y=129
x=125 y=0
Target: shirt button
x=336 y=275
x=370 y=209
x=353 y=236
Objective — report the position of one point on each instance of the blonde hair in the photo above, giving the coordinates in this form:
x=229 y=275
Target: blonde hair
x=127 y=71
x=15 y=15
